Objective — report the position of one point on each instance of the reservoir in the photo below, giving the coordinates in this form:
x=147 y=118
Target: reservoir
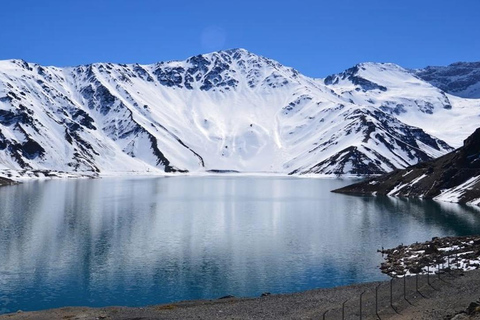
x=147 y=240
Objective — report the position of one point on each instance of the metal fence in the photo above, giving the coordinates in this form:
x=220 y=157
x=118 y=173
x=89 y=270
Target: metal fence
x=389 y=298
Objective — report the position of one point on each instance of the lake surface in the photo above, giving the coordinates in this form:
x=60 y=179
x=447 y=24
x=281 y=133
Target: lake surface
x=139 y=241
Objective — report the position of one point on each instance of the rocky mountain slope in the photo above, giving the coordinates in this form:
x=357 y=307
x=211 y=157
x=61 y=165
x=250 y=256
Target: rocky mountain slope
x=461 y=79
x=228 y=110
x=454 y=177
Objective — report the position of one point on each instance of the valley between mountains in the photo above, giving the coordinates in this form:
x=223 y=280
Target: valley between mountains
x=231 y=110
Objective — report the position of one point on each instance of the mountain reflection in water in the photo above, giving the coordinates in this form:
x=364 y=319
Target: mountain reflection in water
x=139 y=241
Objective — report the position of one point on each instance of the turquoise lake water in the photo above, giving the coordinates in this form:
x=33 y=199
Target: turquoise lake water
x=141 y=241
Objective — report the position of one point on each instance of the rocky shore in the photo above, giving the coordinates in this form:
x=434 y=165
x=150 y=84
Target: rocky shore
x=437 y=255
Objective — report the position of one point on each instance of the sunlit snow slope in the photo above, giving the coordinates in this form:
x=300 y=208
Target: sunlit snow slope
x=229 y=110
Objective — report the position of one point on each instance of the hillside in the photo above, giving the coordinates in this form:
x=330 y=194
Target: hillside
x=454 y=177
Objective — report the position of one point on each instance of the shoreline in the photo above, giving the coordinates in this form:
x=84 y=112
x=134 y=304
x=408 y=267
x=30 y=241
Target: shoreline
x=38 y=174
x=12 y=177
x=446 y=297
x=24 y=176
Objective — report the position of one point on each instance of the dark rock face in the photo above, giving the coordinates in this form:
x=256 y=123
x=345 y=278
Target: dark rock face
x=428 y=179
x=7 y=117
x=104 y=98
x=84 y=119
x=170 y=77
x=471 y=155
x=473 y=308
x=362 y=165
x=161 y=159
x=19 y=118
x=6 y=182
x=31 y=149
x=455 y=79
x=352 y=75
x=142 y=73
x=208 y=73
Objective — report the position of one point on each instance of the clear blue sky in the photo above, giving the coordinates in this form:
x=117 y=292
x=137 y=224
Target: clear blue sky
x=314 y=36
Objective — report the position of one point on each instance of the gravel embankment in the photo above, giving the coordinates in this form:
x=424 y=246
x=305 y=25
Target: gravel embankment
x=445 y=298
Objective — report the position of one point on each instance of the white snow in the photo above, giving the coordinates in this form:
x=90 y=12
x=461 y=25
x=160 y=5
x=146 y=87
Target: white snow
x=455 y=261
x=454 y=194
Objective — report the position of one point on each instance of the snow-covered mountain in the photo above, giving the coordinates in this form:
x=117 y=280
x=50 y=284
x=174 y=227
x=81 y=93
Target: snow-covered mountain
x=454 y=177
x=461 y=79
x=228 y=110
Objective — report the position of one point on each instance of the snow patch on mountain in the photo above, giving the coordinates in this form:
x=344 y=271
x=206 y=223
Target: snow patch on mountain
x=456 y=193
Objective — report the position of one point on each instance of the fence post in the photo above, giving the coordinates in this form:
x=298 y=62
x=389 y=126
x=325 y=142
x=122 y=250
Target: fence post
x=376 y=300
x=343 y=309
x=405 y=288
x=449 y=267
x=391 y=294
x=325 y=314
x=416 y=282
x=428 y=275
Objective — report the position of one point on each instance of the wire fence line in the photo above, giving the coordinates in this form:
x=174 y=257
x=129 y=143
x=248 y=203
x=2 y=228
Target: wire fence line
x=394 y=296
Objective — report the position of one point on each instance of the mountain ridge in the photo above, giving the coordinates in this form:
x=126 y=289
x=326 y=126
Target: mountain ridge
x=227 y=110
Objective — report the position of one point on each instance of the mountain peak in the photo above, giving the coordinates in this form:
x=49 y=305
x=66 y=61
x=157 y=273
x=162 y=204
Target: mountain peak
x=359 y=75
x=236 y=51
x=378 y=65
x=223 y=71
x=8 y=64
